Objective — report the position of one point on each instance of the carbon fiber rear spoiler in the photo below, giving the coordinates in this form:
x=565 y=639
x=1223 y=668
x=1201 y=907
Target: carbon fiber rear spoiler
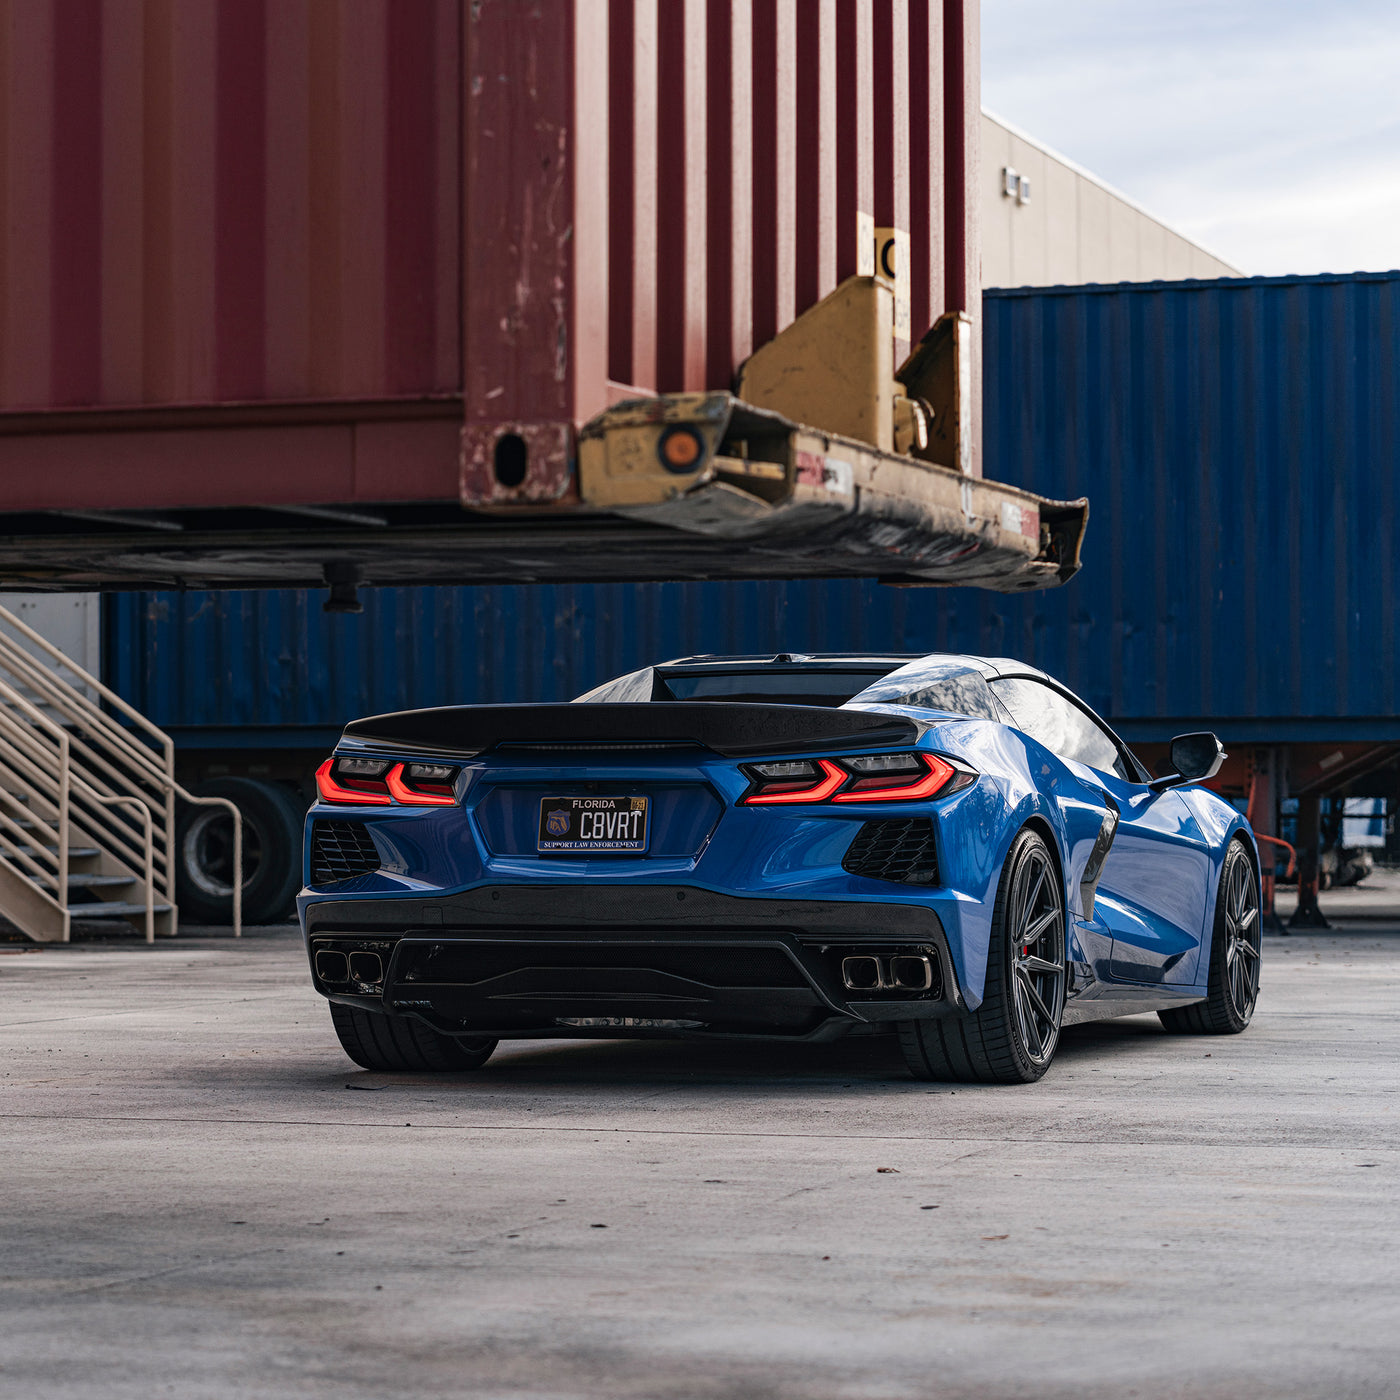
x=732 y=729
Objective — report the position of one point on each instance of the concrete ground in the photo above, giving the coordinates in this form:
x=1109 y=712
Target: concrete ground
x=203 y=1197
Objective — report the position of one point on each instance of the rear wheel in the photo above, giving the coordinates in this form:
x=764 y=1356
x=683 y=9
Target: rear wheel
x=399 y=1044
x=1232 y=987
x=1011 y=1038
x=272 y=822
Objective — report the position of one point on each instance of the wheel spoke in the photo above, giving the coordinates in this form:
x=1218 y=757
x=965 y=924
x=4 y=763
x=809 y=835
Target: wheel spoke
x=1033 y=932
x=1248 y=949
x=1023 y=1016
x=1035 y=888
x=1034 y=997
x=1035 y=964
x=1245 y=919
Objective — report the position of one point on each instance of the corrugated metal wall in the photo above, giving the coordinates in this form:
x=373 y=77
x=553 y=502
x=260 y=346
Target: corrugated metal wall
x=227 y=200
x=217 y=201
x=215 y=660
x=1239 y=442
x=656 y=187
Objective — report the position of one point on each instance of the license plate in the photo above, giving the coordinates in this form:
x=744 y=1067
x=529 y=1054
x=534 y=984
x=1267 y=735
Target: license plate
x=593 y=823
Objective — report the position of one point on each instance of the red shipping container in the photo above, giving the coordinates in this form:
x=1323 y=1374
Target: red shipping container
x=306 y=251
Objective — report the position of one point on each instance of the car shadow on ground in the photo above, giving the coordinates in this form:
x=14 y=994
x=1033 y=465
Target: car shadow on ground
x=869 y=1062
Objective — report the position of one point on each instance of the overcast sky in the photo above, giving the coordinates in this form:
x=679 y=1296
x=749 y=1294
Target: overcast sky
x=1268 y=130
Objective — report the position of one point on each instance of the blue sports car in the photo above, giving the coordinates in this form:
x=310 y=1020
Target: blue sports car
x=951 y=850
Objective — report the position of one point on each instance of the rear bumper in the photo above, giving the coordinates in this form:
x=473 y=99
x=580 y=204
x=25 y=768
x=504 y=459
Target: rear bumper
x=570 y=960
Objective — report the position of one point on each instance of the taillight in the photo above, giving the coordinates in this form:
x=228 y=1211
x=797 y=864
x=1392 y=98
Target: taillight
x=423 y=784
x=356 y=780
x=795 y=782
x=927 y=777
x=378 y=782
x=898 y=777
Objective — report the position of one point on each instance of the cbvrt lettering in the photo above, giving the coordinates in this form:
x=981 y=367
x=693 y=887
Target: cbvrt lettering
x=609 y=826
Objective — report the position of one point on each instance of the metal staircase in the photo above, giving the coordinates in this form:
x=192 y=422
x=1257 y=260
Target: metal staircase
x=87 y=799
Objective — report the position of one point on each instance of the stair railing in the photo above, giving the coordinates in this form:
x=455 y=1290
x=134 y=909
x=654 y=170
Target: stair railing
x=87 y=770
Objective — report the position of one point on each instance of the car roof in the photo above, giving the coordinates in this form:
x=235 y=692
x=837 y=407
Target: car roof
x=989 y=666
x=788 y=660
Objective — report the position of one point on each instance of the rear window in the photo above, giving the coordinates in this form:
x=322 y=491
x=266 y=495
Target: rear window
x=811 y=687
x=960 y=693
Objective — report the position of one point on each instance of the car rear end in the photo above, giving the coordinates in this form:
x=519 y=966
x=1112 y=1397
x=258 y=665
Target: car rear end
x=708 y=869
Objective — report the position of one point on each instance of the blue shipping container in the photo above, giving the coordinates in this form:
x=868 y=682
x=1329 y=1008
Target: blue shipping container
x=1239 y=441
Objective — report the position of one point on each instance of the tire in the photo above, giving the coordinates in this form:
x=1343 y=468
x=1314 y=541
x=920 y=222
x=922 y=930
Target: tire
x=1011 y=1038
x=272 y=837
x=1232 y=986
x=401 y=1044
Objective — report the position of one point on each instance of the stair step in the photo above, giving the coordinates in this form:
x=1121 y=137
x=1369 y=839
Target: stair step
x=74 y=852
x=96 y=882
x=112 y=911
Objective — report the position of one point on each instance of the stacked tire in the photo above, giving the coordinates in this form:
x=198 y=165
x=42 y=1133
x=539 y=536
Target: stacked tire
x=273 y=816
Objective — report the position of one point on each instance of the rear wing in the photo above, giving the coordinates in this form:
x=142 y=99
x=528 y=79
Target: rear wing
x=732 y=729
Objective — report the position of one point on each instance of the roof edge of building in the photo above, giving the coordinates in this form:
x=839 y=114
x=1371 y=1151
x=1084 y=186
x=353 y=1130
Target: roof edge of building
x=1021 y=135
x=1292 y=279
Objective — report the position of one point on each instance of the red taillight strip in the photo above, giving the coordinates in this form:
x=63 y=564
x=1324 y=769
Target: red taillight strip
x=331 y=791
x=939 y=774
x=405 y=794
x=819 y=792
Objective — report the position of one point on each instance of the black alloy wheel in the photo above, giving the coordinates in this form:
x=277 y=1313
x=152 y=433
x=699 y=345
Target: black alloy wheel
x=1232 y=987
x=1011 y=1038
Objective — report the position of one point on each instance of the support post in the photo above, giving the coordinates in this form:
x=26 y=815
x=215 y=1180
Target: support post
x=1308 y=915
x=1263 y=817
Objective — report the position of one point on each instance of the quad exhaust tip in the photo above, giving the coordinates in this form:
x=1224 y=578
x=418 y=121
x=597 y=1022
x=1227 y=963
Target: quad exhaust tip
x=902 y=972
x=337 y=967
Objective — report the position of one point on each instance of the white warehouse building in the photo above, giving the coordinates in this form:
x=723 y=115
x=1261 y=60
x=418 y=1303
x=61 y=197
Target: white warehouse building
x=1048 y=222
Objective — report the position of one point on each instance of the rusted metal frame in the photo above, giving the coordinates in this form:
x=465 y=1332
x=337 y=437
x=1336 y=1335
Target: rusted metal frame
x=535 y=275
x=809 y=490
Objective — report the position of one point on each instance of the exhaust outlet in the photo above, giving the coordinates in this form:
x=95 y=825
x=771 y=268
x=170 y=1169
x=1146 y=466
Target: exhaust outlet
x=862 y=974
x=332 y=966
x=910 y=972
x=366 y=967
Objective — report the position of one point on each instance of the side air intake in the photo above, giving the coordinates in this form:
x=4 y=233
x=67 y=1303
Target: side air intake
x=902 y=850
x=340 y=851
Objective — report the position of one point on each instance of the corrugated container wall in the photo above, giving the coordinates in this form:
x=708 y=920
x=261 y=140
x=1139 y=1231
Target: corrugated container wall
x=526 y=209
x=217 y=201
x=1240 y=440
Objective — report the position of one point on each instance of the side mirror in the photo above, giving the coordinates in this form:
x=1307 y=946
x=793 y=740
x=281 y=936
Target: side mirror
x=1195 y=757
